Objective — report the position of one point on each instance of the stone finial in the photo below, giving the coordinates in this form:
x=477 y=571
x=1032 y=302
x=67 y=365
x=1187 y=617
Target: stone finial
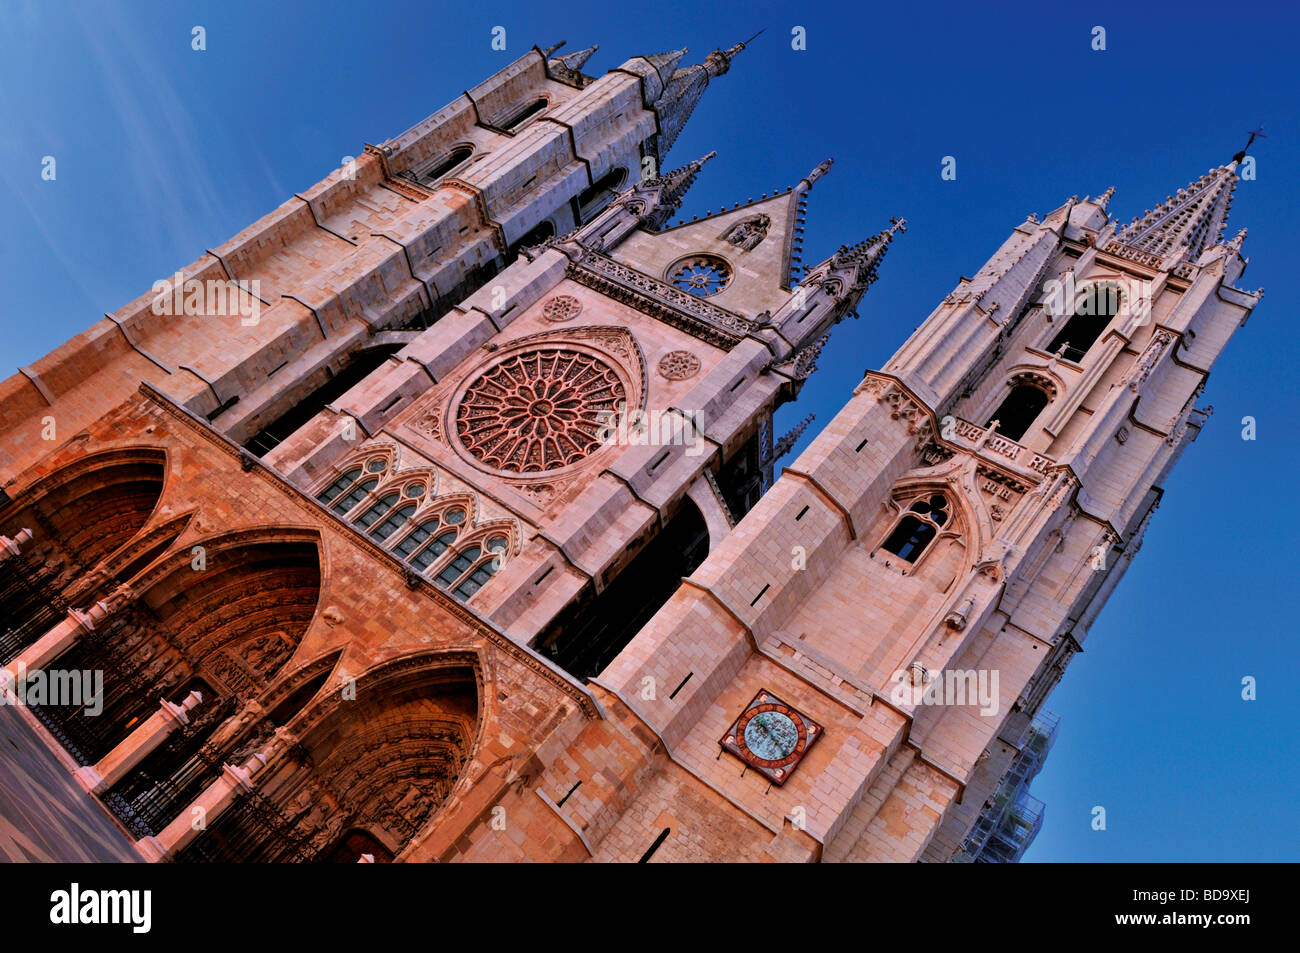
x=822 y=168
x=719 y=61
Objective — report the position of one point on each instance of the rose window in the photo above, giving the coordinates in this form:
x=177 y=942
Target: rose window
x=539 y=410
x=700 y=275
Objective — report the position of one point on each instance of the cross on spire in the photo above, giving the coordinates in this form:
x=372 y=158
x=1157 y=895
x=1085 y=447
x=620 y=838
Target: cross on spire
x=1256 y=133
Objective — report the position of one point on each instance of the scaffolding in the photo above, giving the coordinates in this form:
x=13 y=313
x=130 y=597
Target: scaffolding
x=1013 y=817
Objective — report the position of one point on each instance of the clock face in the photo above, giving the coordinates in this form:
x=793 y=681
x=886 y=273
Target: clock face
x=771 y=737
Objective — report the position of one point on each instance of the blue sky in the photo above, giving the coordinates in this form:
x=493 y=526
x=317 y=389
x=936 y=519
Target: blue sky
x=162 y=152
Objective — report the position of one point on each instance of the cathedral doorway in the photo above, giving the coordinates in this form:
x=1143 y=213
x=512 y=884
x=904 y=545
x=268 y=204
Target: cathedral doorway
x=225 y=630
x=78 y=516
x=374 y=765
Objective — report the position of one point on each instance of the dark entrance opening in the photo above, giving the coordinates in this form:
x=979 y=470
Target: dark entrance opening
x=586 y=639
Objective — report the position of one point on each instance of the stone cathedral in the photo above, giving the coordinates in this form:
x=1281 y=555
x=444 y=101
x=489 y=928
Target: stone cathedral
x=474 y=542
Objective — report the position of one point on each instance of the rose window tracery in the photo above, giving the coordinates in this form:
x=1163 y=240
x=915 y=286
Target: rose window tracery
x=700 y=275
x=538 y=410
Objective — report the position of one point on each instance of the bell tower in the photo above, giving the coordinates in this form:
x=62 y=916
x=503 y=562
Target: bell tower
x=262 y=331
x=853 y=669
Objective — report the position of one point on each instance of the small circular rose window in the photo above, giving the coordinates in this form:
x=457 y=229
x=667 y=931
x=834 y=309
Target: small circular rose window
x=538 y=410
x=700 y=275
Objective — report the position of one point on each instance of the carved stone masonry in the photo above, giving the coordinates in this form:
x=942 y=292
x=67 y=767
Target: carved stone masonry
x=749 y=232
x=679 y=365
x=675 y=307
x=1147 y=362
x=561 y=308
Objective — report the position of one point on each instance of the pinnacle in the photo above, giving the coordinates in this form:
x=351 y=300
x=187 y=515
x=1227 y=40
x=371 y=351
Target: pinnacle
x=664 y=63
x=673 y=187
x=823 y=167
x=551 y=49
x=575 y=61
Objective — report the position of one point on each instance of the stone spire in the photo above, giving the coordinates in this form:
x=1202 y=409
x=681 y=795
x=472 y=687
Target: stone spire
x=684 y=89
x=850 y=271
x=1188 y=222
x=575 y=61
x=865 y=256
x=669 y=189
x=568 y=69
x=784 y=445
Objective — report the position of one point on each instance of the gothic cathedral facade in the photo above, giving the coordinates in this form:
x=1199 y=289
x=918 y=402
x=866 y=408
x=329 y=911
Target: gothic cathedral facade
x=474 y=541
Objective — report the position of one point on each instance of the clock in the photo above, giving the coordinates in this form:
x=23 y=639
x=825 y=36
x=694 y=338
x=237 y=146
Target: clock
x=771 y=737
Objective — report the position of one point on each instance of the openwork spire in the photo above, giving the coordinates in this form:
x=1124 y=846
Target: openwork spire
x=1194 y=218
x=719 y=61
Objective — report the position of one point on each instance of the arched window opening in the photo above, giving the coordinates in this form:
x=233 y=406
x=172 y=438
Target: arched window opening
x=909 y=538
x=600 y=193
x=381 y=507
x=918 y=528
x=1019 y=410
x=516 y=121
x=360 y=366
x=430 y=554
x=741 y=477
x=331 y=492
x=486 y=568
x=412 y=540
x=393 y=522
x=458 y=566
x=534 y=236
x=358 y=493
x=453 y=161
x=1096 y=306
